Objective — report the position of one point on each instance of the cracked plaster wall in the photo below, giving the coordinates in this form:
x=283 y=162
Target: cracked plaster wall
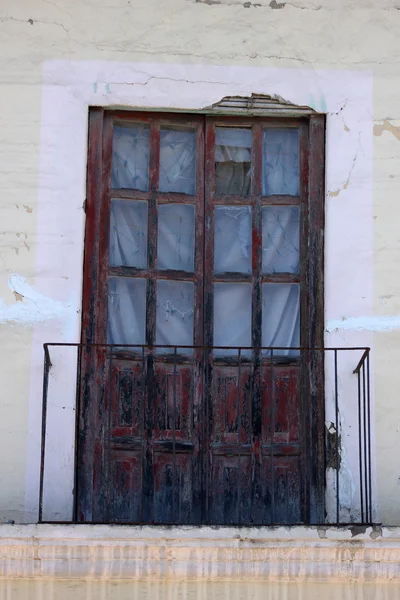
x=323 y=35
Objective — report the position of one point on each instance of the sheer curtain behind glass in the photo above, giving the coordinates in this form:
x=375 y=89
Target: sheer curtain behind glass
x=233 y=147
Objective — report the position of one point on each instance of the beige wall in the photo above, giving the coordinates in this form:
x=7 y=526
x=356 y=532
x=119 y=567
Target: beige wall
x=106 y=590
x=325 y=36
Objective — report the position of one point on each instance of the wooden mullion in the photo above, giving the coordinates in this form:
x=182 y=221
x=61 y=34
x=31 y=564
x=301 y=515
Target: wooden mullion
x=280 y=278
x=281 y=200
x=187 y=121
x=232 y=278
x=246 y=122
x=305 y=431
x=256 y=409
x=104 y=231
x=128 y=194
x=89 y=393
x=152 y=233
x=208 y=303
x=315 y=271
x=199 y=267
x=209 y=233
x=174 y=198
x=256 y=184
x=127 y=272
x=234 y=199
x=103 y=408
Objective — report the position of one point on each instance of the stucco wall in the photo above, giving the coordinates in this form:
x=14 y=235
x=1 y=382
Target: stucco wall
x=341 y=58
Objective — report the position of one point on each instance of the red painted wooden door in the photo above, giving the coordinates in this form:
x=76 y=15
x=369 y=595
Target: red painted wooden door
x=194 y=406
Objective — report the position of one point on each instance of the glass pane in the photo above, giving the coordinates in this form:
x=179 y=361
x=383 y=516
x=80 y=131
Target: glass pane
x=281 y=316
x=128 y=234
x=175 y=237
x=233 y=160
x=175 y=306
x=232 y=314
x=280 y=162
x=126 y=310
x=280 y=235
x=130 y=160
x=177 y=160
x=232 y=241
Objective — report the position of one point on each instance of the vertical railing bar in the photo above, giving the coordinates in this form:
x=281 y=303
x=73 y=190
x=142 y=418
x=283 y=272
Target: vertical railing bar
x=365 y=443
x=369 y=438
x=239 y=434
x=337 y=440
x=174 y=441
x=207 y=399
x=142 y=430
x=360 y=446
x=109 y=435
x=47 y=364
x=272 y=392
x=305 y=442
x=77 y=413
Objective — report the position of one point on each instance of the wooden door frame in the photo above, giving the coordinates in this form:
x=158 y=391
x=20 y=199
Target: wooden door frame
x=312 y=156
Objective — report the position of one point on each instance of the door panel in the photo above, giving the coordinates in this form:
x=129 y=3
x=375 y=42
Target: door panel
x=200 y=238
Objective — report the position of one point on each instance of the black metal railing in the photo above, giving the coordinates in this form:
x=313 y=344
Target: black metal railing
x=235 y=436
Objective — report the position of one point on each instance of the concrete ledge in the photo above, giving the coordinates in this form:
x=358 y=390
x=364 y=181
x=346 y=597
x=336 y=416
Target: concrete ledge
x=200 y=553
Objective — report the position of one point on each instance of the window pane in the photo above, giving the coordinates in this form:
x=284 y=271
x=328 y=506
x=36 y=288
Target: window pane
x=280 y=234
x=280 y=162
x=232 y=241
x=175 y=237
x=232 y=314
x=281 y=316
x=128 y=234
x=177 y=160
x=175 y=306
x=233 y=160
x=126 y=310
x=130 y=160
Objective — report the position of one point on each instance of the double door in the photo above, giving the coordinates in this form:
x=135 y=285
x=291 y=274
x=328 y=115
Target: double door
x=195 y=402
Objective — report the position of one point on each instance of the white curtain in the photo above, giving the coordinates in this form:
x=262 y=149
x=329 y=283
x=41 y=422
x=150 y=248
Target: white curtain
x=130 y=159
x=280 y=162
x=233 y=235
x=280 y=239
x=232 y=315
x=175 y=243
x=281 y=316
x=233 y=147
x=174 y=315
x=177 y=161
x=232 y=239
x=128 y=234
x=126 y=310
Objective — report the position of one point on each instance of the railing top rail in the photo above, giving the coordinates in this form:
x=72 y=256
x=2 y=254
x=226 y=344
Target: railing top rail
x=365 y=349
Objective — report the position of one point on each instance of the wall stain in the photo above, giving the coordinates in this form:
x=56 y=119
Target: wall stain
x=333 y=452
x=18 y=297
x=275 y=4
x=376 y=532
x=27 y=208
x=387 y=126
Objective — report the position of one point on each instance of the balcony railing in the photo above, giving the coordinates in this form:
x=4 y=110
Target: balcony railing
x=237 y=436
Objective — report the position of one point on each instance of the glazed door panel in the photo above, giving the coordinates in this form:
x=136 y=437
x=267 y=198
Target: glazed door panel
x=195 y=404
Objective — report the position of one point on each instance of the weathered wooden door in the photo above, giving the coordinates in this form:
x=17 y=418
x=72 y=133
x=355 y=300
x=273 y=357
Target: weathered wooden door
x=195 y=405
